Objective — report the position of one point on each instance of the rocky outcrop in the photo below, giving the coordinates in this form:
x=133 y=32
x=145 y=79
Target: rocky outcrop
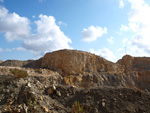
x=1 y=61
x=138 y=69
x=135 y=63
x=71 y=62
x=16 y=63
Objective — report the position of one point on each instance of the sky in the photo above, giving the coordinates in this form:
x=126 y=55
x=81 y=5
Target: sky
x=108 y=28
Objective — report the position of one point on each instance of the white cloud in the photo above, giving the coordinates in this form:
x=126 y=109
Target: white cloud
x=1 y=49
x=33 y=16
x=139 y=23
x=111 y=40
x=124 y=28
x=121 y=4
x=14 y=26
x=105 y=53
x=8 y=50
x=62 y=23
x=92 y=33
x=49 y=37
x=19 y=49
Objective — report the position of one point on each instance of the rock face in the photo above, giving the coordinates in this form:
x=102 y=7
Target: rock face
x=16 y=63
x=138 y=69
x=1 y=61
x=71 y=62
x=135 y=63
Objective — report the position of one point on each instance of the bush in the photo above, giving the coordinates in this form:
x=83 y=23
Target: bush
x=19 y=73
x=77 y=108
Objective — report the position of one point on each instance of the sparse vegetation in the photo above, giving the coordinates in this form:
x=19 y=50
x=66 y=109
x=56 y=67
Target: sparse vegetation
x=77 y=108
x=33 y=106
x=19 y=73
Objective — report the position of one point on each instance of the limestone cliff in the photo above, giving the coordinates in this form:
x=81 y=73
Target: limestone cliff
x=138 y=69
x=135 y=63
x=71 y=62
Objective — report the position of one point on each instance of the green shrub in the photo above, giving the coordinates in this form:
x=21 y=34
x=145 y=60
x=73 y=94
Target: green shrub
x=19 y=73
x=77 y=108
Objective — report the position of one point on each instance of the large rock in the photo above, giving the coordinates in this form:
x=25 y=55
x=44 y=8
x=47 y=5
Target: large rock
x=72 y=62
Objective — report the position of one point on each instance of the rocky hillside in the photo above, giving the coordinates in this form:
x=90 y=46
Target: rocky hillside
x=67 y=80
x=83 y=69
x=44 y=92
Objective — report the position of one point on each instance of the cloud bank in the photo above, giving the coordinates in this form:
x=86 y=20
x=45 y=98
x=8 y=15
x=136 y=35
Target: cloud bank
x=14 y=26
x=48 y=36
x=139 y=25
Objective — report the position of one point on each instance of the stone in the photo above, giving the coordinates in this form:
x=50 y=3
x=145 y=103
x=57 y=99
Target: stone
x=50 y=91
x=67 y=94
x=29 y=84
x=41 y=98
x=44 y=109
x=103 y=104
x=25 y=108
x=53 y=86
x=58 y=93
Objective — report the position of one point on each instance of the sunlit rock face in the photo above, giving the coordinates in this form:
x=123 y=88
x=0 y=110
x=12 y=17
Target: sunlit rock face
x=137 y=69
x=1 y=61
x=68 y=62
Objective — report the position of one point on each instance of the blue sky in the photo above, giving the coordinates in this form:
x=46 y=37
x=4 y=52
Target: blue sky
x=31 y=28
